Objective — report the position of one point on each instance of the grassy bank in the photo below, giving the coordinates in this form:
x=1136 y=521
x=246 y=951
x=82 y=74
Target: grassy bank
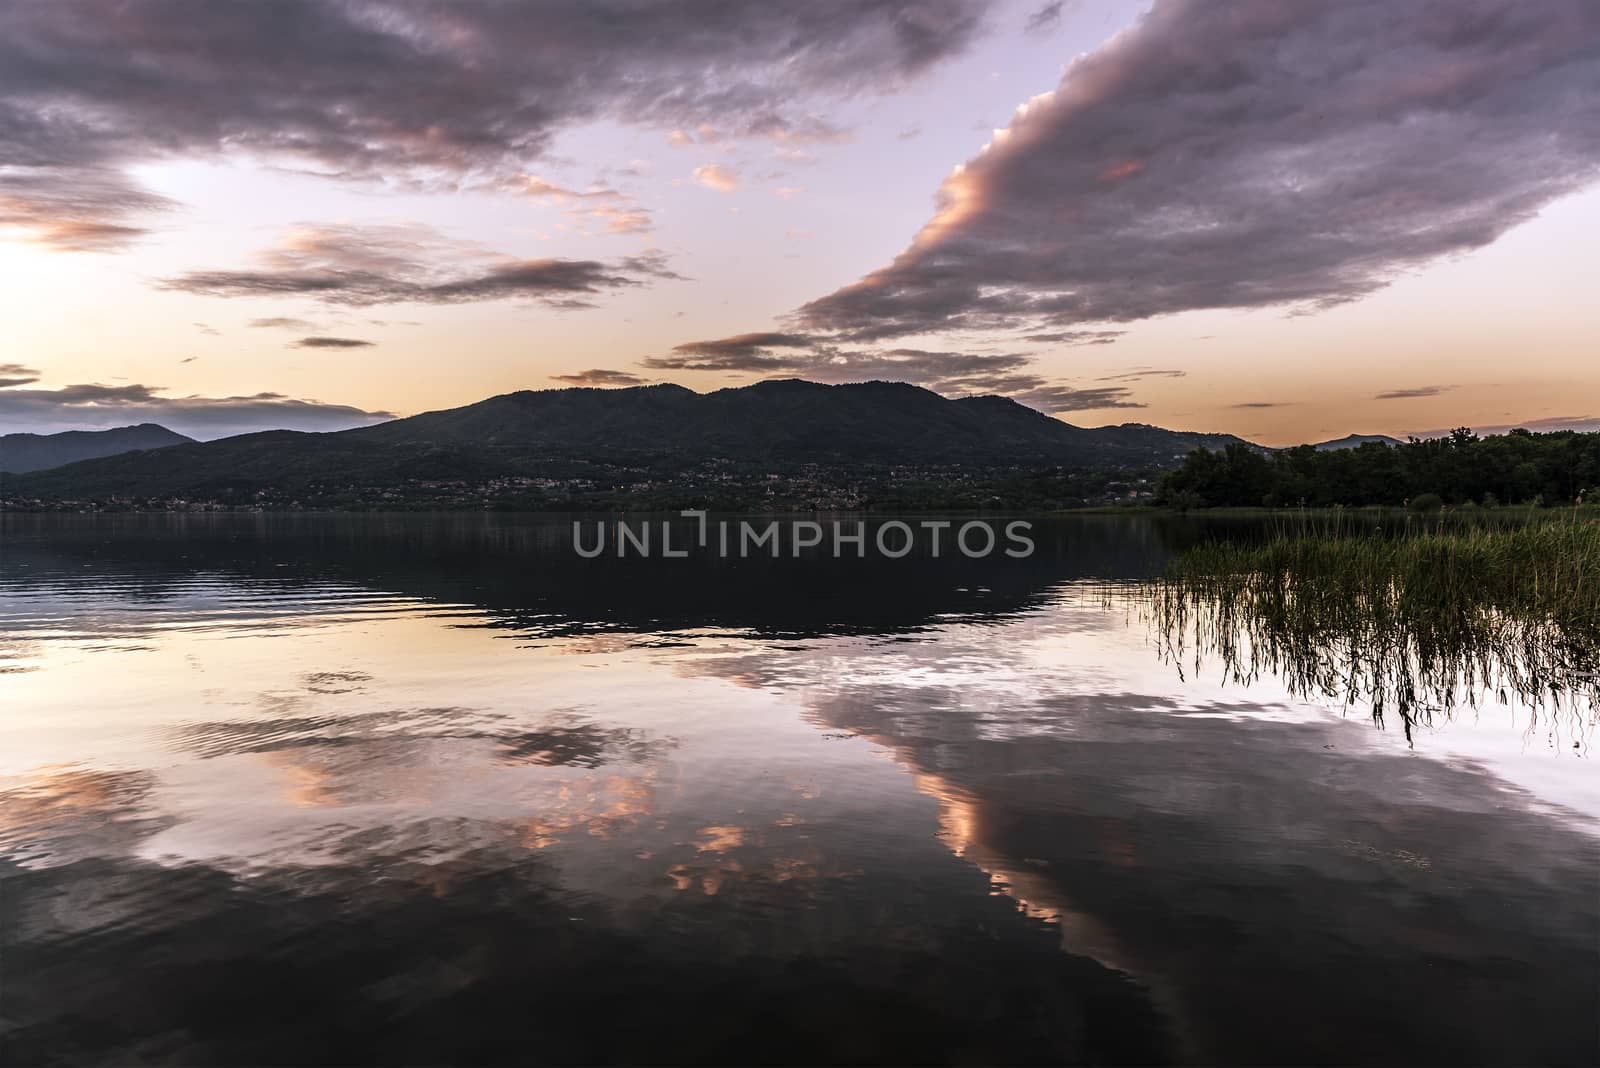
x=1413 y=621
x=1541 y=571
x=1350 y=514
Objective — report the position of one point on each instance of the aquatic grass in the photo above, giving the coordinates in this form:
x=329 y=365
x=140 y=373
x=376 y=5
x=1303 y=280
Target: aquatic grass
x=1415 y=620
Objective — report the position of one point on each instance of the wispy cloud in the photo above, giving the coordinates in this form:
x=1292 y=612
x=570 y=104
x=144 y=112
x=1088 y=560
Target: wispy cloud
x=1074 y=337
x=332 y=343
x=280 y=322
x=805 y=130
x=15 y=374
x=716 y=176
x=1419 y=391
x=611 y=211
x=365 y=266
x=597 y=377
x=78 y=207
x=1141 y=373
x=1045 y=18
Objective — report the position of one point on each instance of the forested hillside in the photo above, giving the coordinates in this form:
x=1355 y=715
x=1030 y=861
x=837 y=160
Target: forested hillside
x=1504 y=469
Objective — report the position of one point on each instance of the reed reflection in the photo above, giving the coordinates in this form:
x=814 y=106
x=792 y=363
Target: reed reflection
x=1418 y=625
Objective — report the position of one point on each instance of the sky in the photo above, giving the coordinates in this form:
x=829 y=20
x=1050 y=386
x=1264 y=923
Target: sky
x=1286 y=221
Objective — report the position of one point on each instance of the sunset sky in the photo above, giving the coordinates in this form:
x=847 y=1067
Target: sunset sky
x=1290 y=221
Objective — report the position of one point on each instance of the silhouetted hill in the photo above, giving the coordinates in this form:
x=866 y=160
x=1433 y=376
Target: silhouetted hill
x=868 y=422
x=1355 y=441
x=601 y=435
x=20 y=453
x=1157 y=442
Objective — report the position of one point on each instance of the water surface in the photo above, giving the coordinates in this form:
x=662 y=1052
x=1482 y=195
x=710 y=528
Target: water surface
x=347 y=789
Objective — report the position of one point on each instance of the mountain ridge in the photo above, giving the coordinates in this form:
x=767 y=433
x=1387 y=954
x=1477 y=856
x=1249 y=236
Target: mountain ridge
x=1355 y=441
x=22 y=453
x=654 y=434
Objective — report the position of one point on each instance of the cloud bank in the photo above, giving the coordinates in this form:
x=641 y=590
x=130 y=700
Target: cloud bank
x=1250 y=154
x=424 y=95
x=98 y=407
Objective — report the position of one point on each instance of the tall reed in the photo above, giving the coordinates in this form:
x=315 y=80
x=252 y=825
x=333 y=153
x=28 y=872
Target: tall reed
x=1412 y=620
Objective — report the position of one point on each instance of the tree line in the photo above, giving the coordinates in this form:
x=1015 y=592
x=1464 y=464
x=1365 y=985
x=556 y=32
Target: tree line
x=1515 y=468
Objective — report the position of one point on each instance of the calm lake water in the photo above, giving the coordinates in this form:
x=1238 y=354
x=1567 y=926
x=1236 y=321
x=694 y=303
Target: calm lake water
x=346 y=789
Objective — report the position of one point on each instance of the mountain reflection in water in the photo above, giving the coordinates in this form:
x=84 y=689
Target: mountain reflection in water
x=358 y=789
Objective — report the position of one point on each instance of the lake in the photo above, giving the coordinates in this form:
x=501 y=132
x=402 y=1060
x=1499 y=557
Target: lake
x=284 y=789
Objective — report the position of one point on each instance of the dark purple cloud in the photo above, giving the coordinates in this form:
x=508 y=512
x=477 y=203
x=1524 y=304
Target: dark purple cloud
x=1407 y=394
x=427 y=95
x=332 y=343
x=597 y=377
x=1075 y=337
x=283 y=322
x=363 y=266
x=741 y=352
x=1046 y=18
x=92 y=406
x=1249 y=154
x=1139 y=373
x=15 y=374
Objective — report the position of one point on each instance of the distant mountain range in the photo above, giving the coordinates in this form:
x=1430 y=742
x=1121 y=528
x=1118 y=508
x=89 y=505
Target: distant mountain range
x=661 y=429
x=20 y=453
x=1355 y=441
x=787 y=420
